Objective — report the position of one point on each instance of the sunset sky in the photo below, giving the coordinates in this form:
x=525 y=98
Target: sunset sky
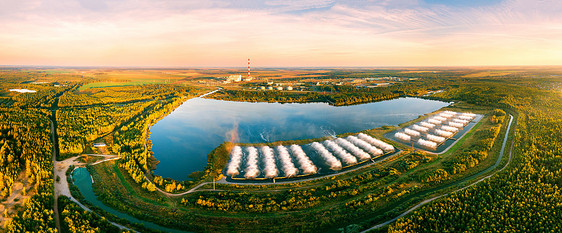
x=274 y=33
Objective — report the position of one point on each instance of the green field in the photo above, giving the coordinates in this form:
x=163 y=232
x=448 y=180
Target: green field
x=402 y=187
x=119 y=106
x=119 y=84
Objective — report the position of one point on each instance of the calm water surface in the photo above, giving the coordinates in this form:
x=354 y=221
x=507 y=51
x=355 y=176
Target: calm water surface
x=83 y=181
x=182 y=140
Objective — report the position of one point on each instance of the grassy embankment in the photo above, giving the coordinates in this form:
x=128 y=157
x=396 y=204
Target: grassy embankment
x=163 y=205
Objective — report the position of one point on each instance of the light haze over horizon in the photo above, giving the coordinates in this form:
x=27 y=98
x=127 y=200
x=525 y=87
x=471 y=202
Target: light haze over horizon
x=275 y=33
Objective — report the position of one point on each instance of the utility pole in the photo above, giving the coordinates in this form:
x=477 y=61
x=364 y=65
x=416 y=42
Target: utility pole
x=248 y=68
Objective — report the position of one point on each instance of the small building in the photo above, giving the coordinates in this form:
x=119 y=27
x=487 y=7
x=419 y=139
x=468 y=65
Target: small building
x=270 y=88
x=289 y=88
x=234 y=78
x=279 y=88
x=262 y=88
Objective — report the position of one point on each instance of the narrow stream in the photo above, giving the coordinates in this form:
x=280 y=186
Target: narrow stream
x=83 y=181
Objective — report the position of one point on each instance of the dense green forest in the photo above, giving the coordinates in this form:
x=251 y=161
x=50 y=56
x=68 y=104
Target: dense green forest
x=26 y=148
x=481 y=92
x=79 y=126
x=26 y=151
x=137 y=159
x=525 y=197
x=125 y=94
x=345 y=199
x=334 y=95
x=77 y=220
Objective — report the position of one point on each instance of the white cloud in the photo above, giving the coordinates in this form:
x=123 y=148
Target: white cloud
x=219 y=33
x=299 y=5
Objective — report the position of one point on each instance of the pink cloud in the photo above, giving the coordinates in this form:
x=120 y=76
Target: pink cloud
x=179 y=33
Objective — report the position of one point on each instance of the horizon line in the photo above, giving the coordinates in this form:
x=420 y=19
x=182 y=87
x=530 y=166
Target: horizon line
x=270 y=67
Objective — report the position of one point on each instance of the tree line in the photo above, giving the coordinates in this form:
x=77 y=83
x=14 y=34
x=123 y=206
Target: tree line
x=526 y=196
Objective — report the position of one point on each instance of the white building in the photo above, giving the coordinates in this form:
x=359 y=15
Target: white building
x=234 y=78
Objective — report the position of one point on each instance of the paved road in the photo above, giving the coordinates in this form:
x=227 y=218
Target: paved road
x=56 y=202
x=61 y=187
x=224 y=181
x=60 y=167
x=177 y=194
x=208 y=93
x=478 y=181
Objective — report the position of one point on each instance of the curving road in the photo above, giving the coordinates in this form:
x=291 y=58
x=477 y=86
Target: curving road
x=224 y=181
x=468 y=178
x=61 y=186
x=60 y=167
x=64 y=165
